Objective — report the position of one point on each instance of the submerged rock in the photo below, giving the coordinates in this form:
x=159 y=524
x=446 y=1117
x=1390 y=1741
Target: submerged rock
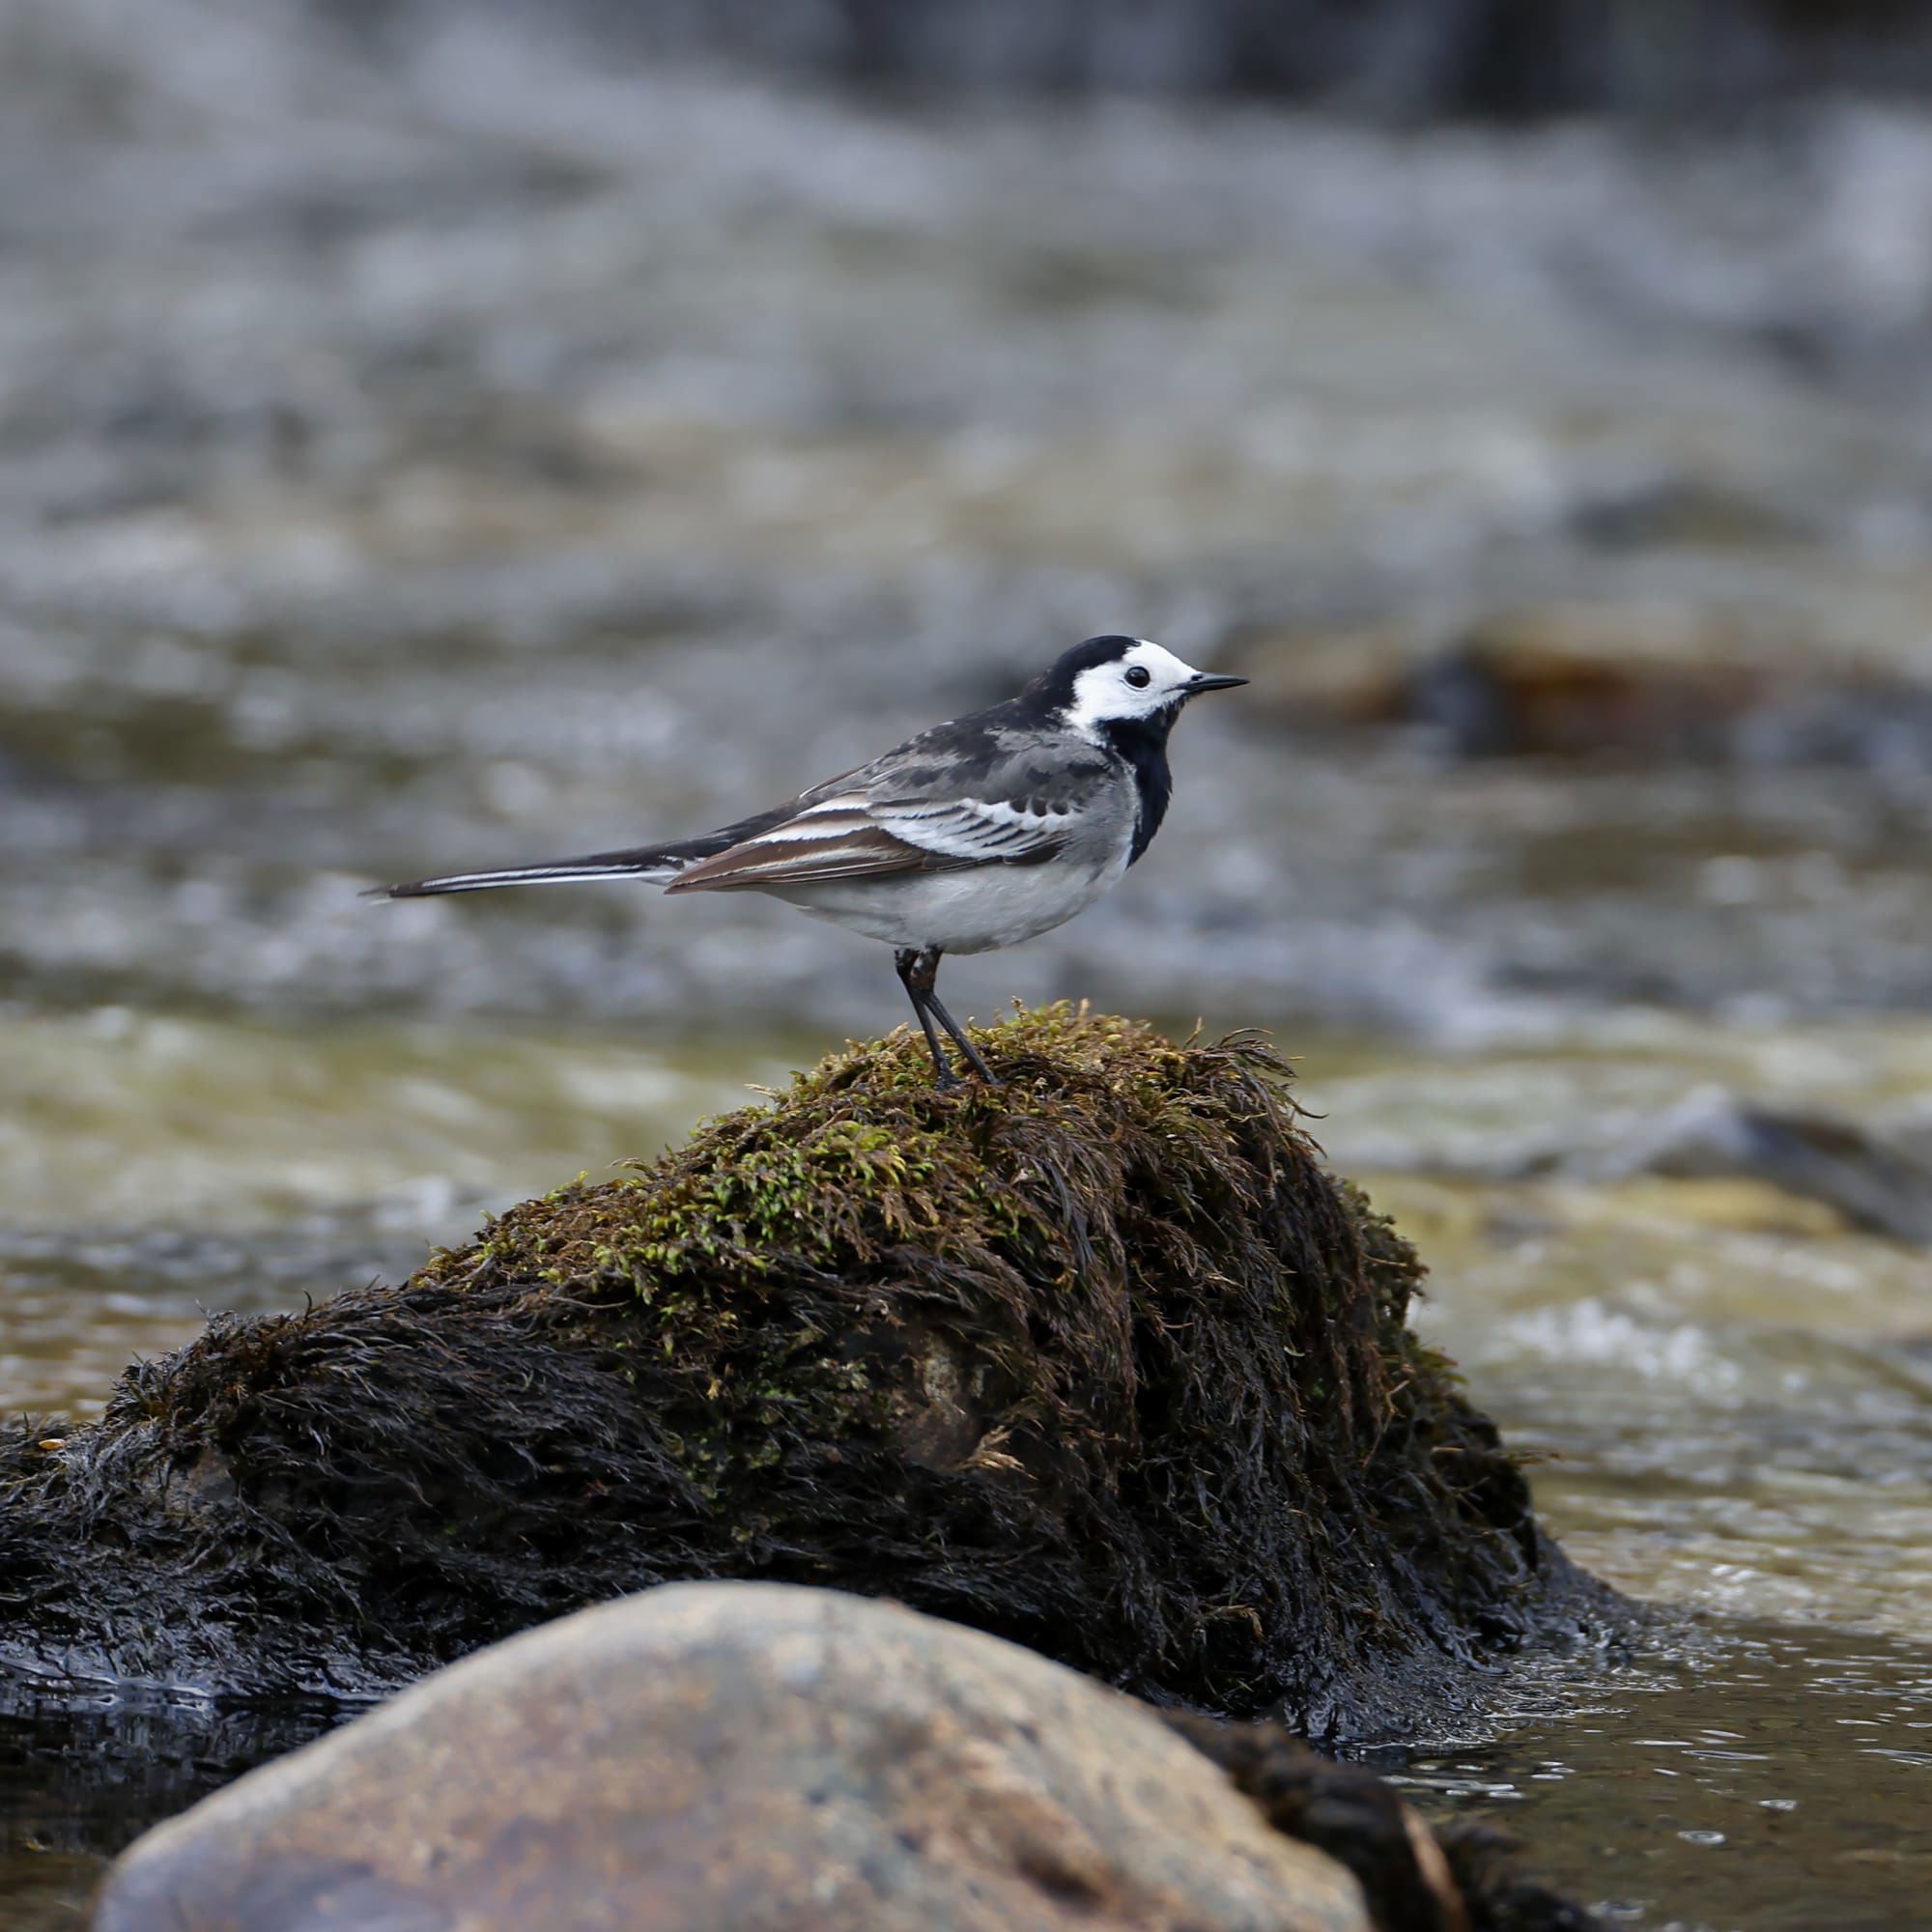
x=1492 y=57
x=1609 y=681
x=735 y=1754
x=1877 y=1181
x=1102 y=1360
x=1460 y=1878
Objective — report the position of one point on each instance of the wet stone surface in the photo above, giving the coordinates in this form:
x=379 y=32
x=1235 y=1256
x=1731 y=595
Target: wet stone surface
x=709 y=1753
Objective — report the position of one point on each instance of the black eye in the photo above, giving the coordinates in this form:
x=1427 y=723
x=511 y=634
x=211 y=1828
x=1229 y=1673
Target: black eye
x=1139 y=677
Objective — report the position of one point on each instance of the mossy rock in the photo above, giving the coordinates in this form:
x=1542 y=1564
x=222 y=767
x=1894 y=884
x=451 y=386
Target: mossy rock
x=1102 y=1360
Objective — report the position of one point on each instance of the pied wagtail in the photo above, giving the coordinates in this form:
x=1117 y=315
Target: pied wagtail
x=975 y=835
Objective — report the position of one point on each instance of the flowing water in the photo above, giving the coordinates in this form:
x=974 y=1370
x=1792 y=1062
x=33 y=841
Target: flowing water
x=1730 y=1384
x=424 y=442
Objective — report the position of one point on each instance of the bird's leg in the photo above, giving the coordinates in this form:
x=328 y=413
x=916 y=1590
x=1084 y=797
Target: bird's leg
x=918 y=988
x=926 y=974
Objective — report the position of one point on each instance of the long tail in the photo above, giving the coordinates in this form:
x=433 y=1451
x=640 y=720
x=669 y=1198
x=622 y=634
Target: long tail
x=654 y=865
x=565 y=873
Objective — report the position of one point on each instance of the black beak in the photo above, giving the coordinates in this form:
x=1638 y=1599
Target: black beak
x=1207 y=680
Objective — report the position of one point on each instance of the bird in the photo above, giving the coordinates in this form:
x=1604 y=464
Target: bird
x=978 y=834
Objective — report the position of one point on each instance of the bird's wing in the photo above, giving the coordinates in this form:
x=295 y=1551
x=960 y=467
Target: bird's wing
x=969 y=830
x=903 y=814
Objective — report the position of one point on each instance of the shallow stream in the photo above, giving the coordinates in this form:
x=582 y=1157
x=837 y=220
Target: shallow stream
x=1728 y=1383
x=427 y=440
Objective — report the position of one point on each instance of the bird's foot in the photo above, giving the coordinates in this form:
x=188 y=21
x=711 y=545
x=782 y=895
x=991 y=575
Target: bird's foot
x=981 y=1076
x=981 y=1070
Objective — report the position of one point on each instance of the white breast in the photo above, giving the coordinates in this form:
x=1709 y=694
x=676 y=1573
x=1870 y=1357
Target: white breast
x=975 y=910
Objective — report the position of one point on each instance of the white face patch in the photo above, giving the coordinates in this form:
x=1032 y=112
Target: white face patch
x=1107 y=695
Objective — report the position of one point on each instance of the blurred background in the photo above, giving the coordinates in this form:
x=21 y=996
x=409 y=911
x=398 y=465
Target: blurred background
x=448 y=432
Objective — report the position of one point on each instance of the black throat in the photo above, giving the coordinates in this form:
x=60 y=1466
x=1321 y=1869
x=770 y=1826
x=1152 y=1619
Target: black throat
x=1143 y=743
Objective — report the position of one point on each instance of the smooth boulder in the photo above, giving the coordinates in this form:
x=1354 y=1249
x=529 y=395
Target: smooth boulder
x=744 y=1755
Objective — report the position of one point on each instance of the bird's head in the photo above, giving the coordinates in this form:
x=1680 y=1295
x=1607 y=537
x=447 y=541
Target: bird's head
x=1120 y=681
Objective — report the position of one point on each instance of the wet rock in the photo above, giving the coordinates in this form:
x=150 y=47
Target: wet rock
x=1344 y=1810
x=1102 y=1360
x=735 y=1755
x=1878 y=1182
x=1559 y=679
x=1534 y=686
x=1625 y=681
x=1461 y=1878
x=1493 y=57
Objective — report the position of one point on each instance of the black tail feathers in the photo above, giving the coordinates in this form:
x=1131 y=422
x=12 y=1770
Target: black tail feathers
x=652 y=865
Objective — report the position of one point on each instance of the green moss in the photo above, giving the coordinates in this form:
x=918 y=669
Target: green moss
x=1100 y=1359
x=862 y=1154
x=863 y=1160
